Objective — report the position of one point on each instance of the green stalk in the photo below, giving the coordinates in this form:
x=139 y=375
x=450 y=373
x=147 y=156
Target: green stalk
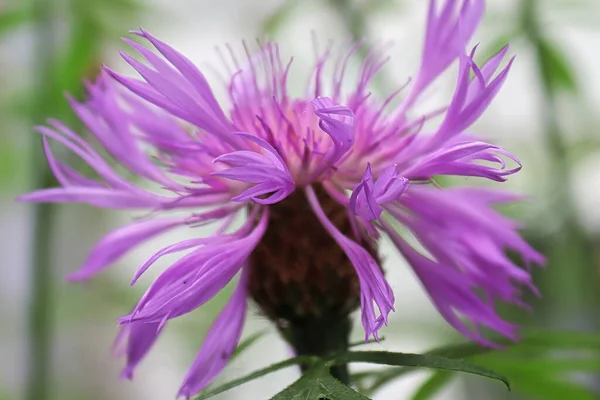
x=571 y=250
x=40 y=321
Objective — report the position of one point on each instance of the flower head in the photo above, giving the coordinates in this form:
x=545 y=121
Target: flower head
x=319 y=178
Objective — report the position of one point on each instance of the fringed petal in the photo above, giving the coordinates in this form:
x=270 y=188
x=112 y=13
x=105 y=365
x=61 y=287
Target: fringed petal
x=374 y=288
x=219 y=344
x=368 y=196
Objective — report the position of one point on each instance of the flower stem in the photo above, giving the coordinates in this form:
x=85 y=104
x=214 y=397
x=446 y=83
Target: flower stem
x=40 y=312
x=40 y=308
x=321 y=337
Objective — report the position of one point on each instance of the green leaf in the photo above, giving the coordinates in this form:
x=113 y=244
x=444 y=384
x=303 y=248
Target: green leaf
x=533 y=359
x=531 y=340
x=77 y=63
x=316 y=384
x=420 y=360
x=551 y=388
x=433 y=385
x=557 y=70
x=12 y=18
x=246 y=343
x=540 y=365
x=257 y=374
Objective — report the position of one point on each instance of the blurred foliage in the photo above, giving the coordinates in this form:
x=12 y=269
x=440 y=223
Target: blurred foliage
x=542 y=365
x=11 y=19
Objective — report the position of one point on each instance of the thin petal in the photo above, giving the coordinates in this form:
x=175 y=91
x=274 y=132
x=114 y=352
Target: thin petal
x=140 y=339
x=373 y=285
x=114 y=245
x=338 y=122
x=219 y=344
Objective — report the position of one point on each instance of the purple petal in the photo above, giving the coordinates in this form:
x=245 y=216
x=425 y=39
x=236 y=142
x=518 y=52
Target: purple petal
x=454 y=296
x=99 y=197
x=448 y=33
x=191 y=73
x=469 y=269
x=362 y=201
x=114 y=245
x=471 y=98
x=115 y=128
x=267 y=171
x=462 y=159
x=367 y=197
x=338 y=122
x=184 y=90
x=219 y=344
x=195 y=278
x=140 y=339
x=373 y=285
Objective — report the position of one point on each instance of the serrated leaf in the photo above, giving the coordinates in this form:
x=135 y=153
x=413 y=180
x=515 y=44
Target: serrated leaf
x=317 y=384
x=257 y=374
x=433 y=385
x=422 y=361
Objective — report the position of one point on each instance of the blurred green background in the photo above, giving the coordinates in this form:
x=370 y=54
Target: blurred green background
x=55 y=338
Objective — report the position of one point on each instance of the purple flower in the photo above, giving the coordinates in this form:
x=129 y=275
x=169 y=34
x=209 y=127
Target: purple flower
x=359 y=171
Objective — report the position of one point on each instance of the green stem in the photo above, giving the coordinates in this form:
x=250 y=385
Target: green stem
x=40 y=312
x=571 y=250
x=321 y=337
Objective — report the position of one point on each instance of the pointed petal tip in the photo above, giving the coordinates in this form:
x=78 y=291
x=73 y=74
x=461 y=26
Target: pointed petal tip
x=77 y=277
x=24 y=198
x=139 y=32
x=126 y=374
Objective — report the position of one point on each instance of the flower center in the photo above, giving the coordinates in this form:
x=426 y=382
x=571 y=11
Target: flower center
x=298 y=272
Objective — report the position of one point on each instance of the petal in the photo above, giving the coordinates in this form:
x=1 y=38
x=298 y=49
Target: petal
x=140 y=339
x=448 y=33
x=373 y=285
x=219 y=344
x=389 y=185
x=198 y=276
x=466 y=268
x=267 y=171
x=339 y=123
x=367 y=198
x=362 y=202
x=114 y=245
x=454 y=296
x=462 y=159
x=99 y=197
x=185 y=91
x=470 y=99
x=196 y=220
